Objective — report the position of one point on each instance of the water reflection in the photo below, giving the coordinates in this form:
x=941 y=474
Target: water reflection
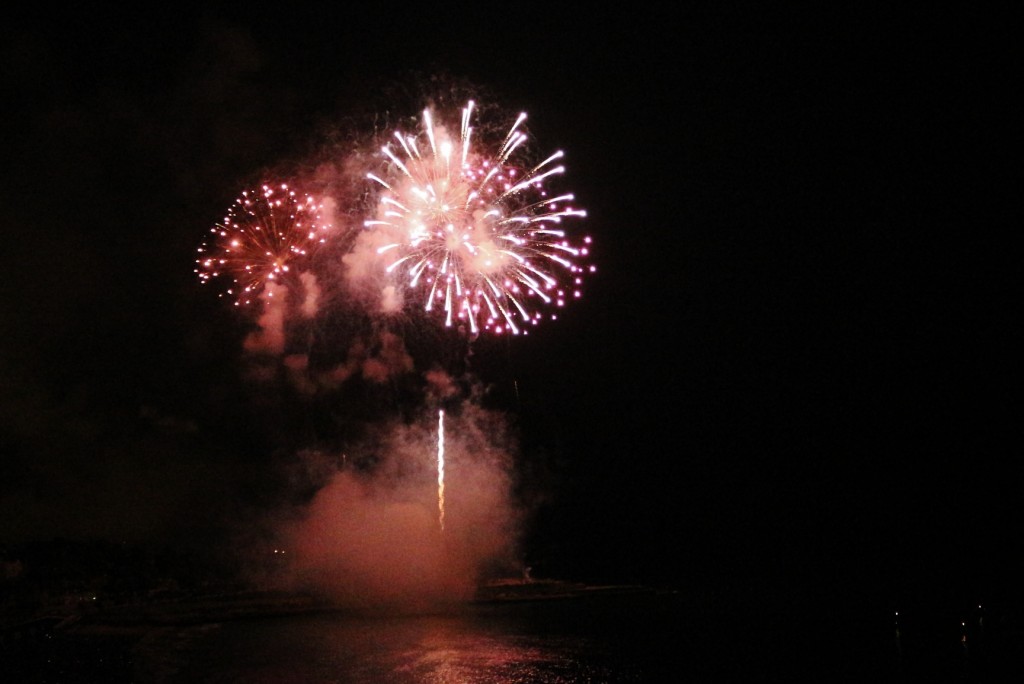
x=497 y=645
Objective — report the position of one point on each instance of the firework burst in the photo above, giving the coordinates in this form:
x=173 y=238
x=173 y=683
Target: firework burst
x=265 y=233
x=476 y=236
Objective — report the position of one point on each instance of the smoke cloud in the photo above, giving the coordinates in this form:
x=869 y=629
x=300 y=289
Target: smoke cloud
x=370 y=538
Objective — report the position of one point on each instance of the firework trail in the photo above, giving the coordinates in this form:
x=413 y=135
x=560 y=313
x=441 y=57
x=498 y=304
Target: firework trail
x=440 y=468
x=477 y=236
x=265 y=233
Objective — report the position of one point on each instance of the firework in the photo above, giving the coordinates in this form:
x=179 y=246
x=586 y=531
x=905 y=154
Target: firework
x=440 y=469
x=265 y=233
x=477 y=237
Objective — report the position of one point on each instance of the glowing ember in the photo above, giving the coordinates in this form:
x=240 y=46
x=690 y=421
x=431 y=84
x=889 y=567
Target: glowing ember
x=477 y=236
x=265 y=232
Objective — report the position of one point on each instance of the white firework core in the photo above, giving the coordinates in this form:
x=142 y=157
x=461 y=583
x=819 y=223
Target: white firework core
x=479 y=237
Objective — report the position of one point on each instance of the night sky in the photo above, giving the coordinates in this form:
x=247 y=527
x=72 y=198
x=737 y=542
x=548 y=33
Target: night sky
x=795 y=372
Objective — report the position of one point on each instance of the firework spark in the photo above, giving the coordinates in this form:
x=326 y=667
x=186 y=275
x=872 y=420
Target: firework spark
x=475 y=234
x=265 y=233
x=440 y=468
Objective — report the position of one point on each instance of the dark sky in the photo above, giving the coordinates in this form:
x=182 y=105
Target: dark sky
x=797 y=364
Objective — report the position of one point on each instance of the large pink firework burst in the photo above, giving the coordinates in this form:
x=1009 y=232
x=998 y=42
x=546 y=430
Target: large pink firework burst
x=475 y=236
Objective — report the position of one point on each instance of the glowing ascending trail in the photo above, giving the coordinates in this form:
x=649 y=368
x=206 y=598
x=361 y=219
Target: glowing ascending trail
x=440 y=468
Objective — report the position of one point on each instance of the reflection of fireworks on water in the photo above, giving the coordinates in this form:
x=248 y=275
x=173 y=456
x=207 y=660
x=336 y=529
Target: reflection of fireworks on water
x=265 y=232
x=479 y=236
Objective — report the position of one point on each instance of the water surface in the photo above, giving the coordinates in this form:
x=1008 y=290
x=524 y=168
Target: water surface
x=608 y=639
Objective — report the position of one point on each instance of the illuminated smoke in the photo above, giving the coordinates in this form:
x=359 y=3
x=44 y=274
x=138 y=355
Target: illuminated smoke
x=369 y=538
x=269 y=337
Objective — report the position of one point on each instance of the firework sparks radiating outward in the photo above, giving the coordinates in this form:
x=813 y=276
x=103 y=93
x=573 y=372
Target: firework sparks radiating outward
x=440 y=468
x=478 y=236
x=265 y=233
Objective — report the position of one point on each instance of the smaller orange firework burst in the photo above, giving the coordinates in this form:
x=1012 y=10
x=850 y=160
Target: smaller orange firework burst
x=265 y=234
